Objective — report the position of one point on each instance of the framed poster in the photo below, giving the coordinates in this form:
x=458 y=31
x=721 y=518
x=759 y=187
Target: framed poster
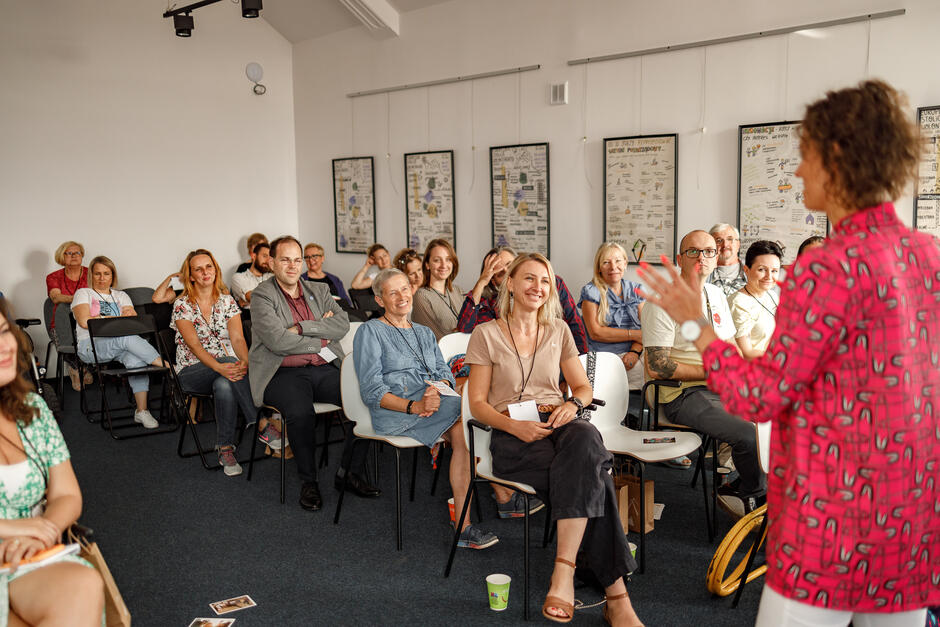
x=770 y=196
x=519 y=197
x=354 y=204
x=927 y=198
x=640 y=178
x=429 y=198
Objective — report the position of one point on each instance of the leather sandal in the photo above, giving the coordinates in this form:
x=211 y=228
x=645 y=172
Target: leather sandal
x=607 y=608
x=559 y=604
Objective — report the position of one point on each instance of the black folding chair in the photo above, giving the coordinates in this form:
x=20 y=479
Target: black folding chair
x=364 y=300
x=144 y=326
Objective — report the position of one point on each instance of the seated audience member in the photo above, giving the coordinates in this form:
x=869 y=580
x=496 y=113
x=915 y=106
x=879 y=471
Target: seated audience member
x=438 y=302
x=810 y=243
x=314 y=256
x=40 y=501
x=211 y=354
x=518 y=359
x=611 y=311
x=253 y=240
x=729 y=271
x=394 y=360
x=61 y=286
x=377 y=259
x=244 y=283
x=671 y=354
x=754 y=306
x=101 y=300
x=164 y=293
x=479 y=305
x=295 y=356
x=408 y=261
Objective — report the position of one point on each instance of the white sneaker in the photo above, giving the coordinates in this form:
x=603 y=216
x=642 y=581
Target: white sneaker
x=230 y=465
x=146 y=419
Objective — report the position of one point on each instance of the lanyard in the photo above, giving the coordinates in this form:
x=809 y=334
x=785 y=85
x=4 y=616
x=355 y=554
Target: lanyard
x=113 y=300
x=410 y=347
x=525 y=379
x=708 y=306
x=772 y=313
x=447 y=301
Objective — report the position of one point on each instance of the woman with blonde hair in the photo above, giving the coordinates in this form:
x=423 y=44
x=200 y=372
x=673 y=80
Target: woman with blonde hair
x=539 y=437
x=211 y=353
x=437 y=304
x=314 y=256
x=409 y=261
x=40 y=500
x=101 y=300
x=611 y=311
x=61 y=286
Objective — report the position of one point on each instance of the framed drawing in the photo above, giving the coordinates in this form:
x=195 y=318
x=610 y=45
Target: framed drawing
x=429 y=198
x=640 y=179
x=770 y=196
x=354 y=204
x=519 y=197
x=927 y=198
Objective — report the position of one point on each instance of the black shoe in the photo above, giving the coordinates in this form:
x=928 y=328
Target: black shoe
x=310 y=498
x=357 y=485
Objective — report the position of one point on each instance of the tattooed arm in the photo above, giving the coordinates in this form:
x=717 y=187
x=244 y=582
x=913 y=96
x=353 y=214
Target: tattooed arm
x=659 y=365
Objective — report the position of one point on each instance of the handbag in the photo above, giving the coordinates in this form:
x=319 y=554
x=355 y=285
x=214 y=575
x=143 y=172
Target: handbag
x=115 y=610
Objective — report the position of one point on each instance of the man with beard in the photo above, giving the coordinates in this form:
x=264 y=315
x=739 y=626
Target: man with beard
x=244 y=283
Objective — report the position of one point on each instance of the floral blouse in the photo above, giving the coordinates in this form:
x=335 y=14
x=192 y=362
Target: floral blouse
x=212 y=333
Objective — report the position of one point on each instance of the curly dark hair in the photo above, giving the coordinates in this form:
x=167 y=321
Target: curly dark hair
x=866 y=141
x=13 y=395
x=762 y=247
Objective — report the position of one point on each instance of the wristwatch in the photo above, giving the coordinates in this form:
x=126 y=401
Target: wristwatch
x=578 y=403
x=691 y=330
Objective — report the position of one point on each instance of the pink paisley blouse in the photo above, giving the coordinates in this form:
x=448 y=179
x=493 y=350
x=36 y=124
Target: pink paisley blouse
x=850 y=380
x=212 y=333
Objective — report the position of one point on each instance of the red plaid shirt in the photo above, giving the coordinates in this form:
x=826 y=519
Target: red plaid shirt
x=850 y=380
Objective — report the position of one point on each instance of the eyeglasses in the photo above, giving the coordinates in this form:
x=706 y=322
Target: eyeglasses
x=693 y=253
x=72 y=254
x=728 y=240
x=313 y=256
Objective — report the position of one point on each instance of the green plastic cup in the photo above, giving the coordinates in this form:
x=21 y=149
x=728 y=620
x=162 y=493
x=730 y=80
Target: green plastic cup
x=497 y=589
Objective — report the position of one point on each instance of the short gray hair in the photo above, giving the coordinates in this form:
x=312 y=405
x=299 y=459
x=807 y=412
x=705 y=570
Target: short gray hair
x=722 y=226
x=382 y=278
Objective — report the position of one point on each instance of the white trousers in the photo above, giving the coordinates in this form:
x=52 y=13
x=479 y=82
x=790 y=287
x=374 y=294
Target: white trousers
x=778 y=611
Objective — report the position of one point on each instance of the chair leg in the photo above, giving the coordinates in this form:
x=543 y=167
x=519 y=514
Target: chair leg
x=398 y=494
x=342 y=492
x=476 y=500
x=414 y=472
x=642 y=521
x=254 y=442
x=437 y=471
x=750 y=560
x=457 y=530
x=709 y=513
x=525 y=558
x=283 y=456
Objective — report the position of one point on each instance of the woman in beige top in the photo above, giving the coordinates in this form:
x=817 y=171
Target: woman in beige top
x=754 y=306
x=437 y=303
x=538 y=438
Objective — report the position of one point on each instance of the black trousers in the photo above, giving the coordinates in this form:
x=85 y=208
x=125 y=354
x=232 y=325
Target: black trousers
x=293 y=391
x=700 y=408
x=570 y=469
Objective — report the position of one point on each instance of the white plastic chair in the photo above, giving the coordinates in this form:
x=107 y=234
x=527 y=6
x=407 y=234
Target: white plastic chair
x=453 y=344
x=321 y=409
x=356 y=411
x=477 y=436
x=611 y=385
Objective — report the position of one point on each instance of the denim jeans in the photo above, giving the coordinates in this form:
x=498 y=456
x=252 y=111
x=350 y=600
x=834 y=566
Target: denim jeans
x=131 y=350
x=227 y=396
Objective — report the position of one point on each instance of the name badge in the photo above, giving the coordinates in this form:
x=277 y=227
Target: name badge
x=526 y=410
x=327 y=354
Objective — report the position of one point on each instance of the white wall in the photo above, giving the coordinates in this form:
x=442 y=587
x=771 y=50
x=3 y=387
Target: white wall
x=137 y=143
x=747 y=82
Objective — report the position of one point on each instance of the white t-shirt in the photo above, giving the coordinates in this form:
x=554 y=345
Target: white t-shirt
x=659 y=329
x=99 y=304
x=754 y=317
x=245 y=282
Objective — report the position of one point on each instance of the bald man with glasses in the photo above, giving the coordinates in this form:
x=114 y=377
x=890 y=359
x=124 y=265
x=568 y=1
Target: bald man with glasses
x=671 y=354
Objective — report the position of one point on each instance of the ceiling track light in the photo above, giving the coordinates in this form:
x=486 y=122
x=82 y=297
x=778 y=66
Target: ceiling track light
x=183 y=20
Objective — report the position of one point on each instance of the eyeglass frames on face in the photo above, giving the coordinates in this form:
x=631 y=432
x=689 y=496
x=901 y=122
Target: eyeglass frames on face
x=692 y=253
x=313 y=256
x=72 y=254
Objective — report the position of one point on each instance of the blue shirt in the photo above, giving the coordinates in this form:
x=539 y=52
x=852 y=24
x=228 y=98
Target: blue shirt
x=623 y=312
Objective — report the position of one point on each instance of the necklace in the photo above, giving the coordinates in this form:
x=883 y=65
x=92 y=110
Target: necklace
x=772 y=313
x=525 y=379
x=447 y=301
x=73 y=288
x=414 y=352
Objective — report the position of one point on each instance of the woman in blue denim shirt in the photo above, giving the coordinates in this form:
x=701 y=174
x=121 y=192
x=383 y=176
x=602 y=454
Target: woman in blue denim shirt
x=398 y=364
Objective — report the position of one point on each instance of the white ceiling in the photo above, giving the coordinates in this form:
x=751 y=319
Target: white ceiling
x=298 y=20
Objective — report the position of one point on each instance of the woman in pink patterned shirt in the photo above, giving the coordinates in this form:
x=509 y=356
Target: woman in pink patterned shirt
x=848 y=380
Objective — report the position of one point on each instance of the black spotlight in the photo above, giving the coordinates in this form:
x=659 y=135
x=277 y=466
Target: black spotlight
x=183 y=25
x=251 y=8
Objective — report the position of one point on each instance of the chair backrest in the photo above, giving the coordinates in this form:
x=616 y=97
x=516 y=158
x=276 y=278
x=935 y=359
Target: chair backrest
x=120 y=326
x=481 y=438
x=453 y=344
x=610 y=385
x=167 y=339
x=347 y=341
x=353 y=406
x=364 y=299
x=48 y=313
x=162 y=312
x=763 y=444
x=64 y=327
x=140 y=295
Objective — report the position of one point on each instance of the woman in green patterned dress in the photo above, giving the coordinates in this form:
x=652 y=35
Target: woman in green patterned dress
x=39 y=499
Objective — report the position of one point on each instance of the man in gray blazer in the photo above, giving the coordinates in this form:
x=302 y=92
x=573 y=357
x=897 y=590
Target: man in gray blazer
x=295 y=355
